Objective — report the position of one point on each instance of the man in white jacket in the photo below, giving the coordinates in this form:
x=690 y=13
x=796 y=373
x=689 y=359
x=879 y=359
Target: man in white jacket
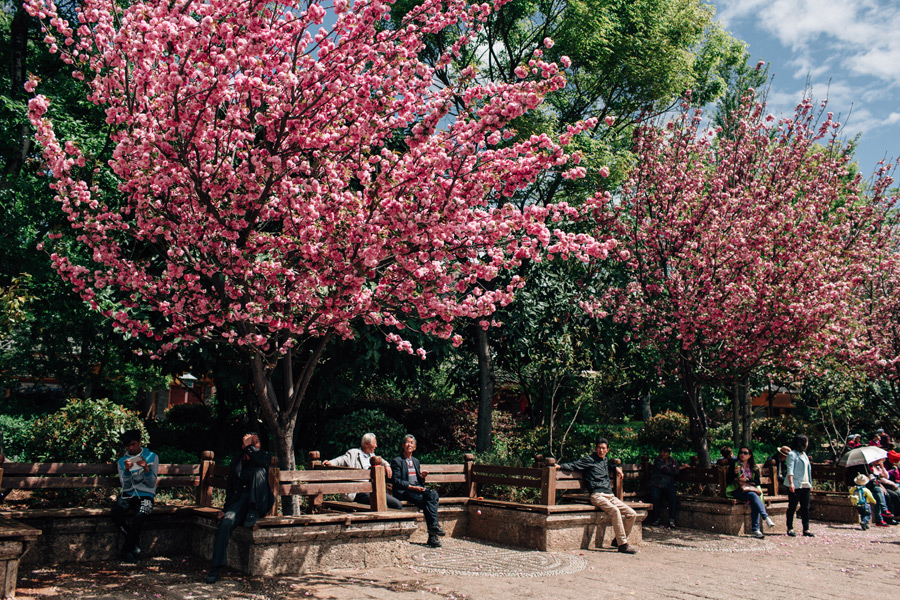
x=361 y=458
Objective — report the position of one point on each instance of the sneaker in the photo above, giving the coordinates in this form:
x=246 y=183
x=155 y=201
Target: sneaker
x=891 y=521
x=437 y=531
x=769 y=522
x=212 y=576
x=627 y=549
x=864 y=526
x=433 y=541
x=251 y=518
x=791 y=533
x=808 y=534
x=758 y=534
x=887 y=514
x=881 y=524
x=672 y=523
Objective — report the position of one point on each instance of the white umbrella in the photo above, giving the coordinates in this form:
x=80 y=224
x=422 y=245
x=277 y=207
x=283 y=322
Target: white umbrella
x=862 y=456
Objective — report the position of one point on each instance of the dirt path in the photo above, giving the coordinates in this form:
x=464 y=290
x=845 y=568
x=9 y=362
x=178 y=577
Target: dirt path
x=840 y=562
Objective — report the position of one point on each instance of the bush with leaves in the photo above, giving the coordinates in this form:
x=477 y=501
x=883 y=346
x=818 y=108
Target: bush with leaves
x=347 y=432
x=82 y=431
x=15 y=430
x=667 y=428
x=780 y=431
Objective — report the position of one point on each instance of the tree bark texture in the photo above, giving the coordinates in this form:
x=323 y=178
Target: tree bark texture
x=483 y=438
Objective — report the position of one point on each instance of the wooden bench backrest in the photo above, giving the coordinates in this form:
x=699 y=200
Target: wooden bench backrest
x=546 y=478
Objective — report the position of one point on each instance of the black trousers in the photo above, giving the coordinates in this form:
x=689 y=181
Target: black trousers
x=798 y=496
x=656 y=496
x=392 y=502
x=142 y=508
x=236 y=512
x=427 y=501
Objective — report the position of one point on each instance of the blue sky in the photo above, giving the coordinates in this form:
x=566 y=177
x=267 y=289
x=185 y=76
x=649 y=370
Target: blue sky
x=849 y=50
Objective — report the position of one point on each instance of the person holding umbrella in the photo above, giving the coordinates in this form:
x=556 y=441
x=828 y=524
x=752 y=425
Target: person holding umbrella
x=857 y=461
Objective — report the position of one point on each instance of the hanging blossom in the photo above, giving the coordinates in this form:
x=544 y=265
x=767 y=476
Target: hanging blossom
x=279 y=180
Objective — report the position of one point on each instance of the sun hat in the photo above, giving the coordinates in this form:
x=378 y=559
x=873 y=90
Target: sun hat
x=861 y=479
x=784 y=450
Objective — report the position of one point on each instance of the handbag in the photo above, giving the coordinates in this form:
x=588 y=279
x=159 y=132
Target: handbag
x=746 y=486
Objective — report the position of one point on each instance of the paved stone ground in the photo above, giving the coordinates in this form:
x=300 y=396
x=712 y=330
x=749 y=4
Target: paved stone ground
x=840 y=562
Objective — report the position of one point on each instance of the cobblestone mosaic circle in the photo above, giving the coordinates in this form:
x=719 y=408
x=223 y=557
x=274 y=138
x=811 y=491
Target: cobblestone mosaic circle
x=468 y=558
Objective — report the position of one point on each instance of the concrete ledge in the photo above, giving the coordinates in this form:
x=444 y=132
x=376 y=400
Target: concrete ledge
x=726 y=516
x=545 y=528
x=306 y=545
x=832 y=506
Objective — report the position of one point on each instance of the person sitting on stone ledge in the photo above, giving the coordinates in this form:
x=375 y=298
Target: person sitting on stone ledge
x=361 y=458
x=743 y=481
x=247 y=497
x=662 y=485
x=408 y=482
x=138 y=469
x=596 y=471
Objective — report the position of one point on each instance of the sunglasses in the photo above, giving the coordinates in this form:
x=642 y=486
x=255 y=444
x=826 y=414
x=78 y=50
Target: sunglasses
x=743 y=452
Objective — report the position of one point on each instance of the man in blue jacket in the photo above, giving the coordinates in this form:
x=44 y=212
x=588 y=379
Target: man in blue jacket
x=408 y=481
x=138 y=469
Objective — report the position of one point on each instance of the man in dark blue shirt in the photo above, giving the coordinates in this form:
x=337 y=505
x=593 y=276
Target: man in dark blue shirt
x=595 y=470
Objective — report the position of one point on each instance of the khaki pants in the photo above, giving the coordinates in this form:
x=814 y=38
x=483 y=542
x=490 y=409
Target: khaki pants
x=621 y=514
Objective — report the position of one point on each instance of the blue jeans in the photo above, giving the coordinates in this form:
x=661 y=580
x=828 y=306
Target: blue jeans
x=656 y=496
x=864 y=514
x=880 y=505
x=757 y=508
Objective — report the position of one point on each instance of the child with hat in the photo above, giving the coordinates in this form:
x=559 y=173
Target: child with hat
x=861 y=498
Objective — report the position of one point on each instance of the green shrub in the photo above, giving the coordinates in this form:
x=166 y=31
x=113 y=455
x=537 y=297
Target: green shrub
x=666 y=429
x=779 y=431
x=82 y=431
x=15 y=430
x=346 y=433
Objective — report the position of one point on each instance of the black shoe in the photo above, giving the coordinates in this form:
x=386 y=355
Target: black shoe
x=437 y=531
x=672 y=524
x=212 y=576
x=614 y=543
x=808 y=534
x=251 y=518
x=627 y=549
x=791 y=533
x=433 y=541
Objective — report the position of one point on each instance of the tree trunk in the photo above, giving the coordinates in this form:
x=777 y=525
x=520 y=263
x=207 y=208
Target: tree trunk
x=646 y=410
x=747 y=424
x=18 y=51
x=484 y=430
x=699 y=424
x=736 y=414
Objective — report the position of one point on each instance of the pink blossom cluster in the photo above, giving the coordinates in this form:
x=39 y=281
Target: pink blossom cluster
x=279 y=180
x=746 y=248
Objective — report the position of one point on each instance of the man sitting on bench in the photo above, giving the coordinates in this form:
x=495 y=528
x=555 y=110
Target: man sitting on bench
x=408 y=481
x=247 y=497
x=361 y=458
x=138 y=469
x=595 y=470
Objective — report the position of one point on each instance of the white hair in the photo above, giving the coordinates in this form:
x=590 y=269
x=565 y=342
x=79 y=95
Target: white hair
x=367 y=438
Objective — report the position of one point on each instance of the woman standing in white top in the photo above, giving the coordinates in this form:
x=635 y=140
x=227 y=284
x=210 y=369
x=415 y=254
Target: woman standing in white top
x=798 y=478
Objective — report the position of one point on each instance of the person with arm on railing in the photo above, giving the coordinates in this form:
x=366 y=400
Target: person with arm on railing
x=361 y=458
x=597 y=472
x=138 y=469
x=247 y=497
x=408 y=482
x=743 y=483
x=798 y=479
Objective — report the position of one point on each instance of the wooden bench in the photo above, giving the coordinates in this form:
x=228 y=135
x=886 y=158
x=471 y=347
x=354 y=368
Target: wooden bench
x=452 y=513
x=545 y=525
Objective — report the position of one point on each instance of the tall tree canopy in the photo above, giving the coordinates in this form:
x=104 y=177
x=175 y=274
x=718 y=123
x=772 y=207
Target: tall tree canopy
x=280 y=182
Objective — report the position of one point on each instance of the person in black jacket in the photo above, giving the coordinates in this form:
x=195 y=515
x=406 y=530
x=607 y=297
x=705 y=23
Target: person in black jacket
x=247 y=497
x=408 y=482
x=662 y=485
x=595 y=470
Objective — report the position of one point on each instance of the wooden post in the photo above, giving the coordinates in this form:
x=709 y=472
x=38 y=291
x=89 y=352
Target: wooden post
x=538 y=461
x=773 y=471
x=313 y=462
x=275 y=486
x=548 y=482
x=468 y=469
x=618 y=484
x=378 y=497
x=204 y=488
x=722 y=478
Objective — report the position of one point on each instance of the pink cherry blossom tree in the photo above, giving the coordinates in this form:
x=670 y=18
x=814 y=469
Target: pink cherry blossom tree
x=280 y=182
x=742 y=251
